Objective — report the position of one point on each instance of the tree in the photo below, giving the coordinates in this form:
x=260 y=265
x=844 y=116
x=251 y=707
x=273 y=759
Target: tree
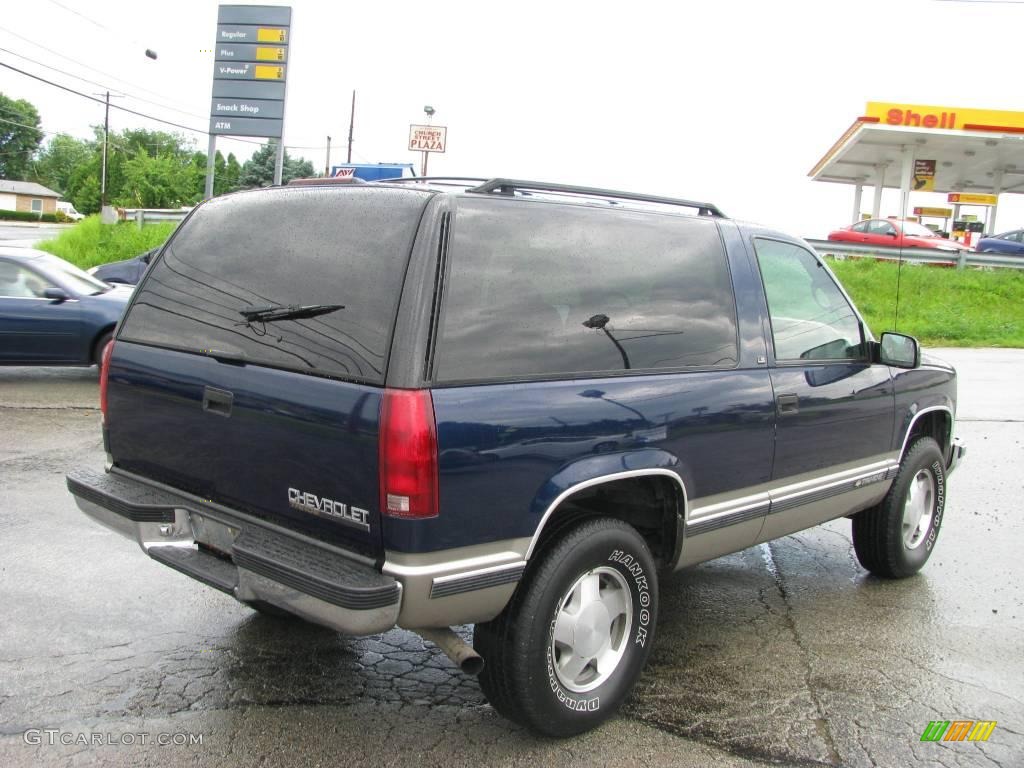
x=232 y=173
x=164 y=181
x=225 y=173
x=258 y=170
x=20 y=137
x=59 y=160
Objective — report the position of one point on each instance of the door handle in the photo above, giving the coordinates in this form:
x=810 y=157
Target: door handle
x=788 y=404
x=217 y=401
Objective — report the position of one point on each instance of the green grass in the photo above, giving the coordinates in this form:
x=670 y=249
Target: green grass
x=89 y=242
x=940 y=306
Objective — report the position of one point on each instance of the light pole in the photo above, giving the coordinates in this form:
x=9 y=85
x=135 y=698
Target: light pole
x=327 y=165
x=429 y=112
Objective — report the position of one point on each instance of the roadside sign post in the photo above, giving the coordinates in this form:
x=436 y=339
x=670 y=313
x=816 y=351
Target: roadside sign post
x=250 y=70
x=426 y=139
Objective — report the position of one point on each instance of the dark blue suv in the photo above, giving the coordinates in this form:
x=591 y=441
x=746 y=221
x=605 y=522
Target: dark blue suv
x=503 y=403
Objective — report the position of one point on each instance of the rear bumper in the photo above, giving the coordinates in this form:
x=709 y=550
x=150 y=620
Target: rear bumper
x=252 y=560
x=957 y=453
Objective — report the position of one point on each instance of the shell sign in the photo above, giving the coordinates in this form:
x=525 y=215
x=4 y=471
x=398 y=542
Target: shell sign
x=943 y=118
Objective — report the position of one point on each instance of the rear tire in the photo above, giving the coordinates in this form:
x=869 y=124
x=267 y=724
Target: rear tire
x=895 y=539
x=568 y=648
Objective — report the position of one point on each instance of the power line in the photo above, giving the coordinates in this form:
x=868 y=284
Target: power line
x=81 y=15
x=101 y=101
x=132 y=111
x=78 y=63
x=104 y=86
x=24 y=125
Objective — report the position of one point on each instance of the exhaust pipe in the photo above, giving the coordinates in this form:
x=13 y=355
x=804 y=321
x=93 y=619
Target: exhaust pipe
x=455 y=648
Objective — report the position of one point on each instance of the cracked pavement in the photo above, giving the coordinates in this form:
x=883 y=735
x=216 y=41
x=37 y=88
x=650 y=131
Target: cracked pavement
x=784 y=653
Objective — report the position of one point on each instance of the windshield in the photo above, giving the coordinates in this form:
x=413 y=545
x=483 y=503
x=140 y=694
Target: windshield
x=917 y=230
x=72 y=277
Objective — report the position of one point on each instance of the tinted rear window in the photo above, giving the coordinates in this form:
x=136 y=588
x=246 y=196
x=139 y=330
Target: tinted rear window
x=539 y=289
x=284 y=247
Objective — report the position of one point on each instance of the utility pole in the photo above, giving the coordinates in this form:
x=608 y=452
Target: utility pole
x=351 y=125
x=106 y=151
x=103 y=173
x=327 y=165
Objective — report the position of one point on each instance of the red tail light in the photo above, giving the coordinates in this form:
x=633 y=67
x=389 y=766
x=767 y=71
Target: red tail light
x=104 y=374
x=408 y=454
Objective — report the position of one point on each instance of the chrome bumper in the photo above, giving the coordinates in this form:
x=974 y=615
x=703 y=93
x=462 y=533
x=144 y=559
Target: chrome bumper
x=251 y=560
x=956 y=454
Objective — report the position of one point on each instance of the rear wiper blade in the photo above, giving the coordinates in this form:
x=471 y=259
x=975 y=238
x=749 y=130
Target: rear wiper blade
x=293 y=312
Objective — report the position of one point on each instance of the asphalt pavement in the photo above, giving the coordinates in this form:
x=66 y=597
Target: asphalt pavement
x=26 y=234
x=787 y=653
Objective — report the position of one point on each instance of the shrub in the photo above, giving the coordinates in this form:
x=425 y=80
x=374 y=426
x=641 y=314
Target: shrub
x=90 y=242
x=28 y=216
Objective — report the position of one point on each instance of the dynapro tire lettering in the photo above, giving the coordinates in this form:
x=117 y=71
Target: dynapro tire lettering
x=938 y=472
x=637 y=572
x=567 y=700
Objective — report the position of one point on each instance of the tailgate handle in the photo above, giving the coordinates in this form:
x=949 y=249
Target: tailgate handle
x=788 y=403
x=217 y=401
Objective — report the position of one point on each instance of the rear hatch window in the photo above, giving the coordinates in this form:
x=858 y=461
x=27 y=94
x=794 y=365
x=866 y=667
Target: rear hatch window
x=281 y=248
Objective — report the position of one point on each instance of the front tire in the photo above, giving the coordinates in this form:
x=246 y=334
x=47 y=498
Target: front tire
x=566 y=651
x=895 y=539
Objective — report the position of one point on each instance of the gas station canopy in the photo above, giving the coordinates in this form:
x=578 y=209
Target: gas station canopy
x=910 y=147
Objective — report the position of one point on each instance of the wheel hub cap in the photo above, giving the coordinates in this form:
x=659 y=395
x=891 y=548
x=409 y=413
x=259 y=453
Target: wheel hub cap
x=919 y=509
x=591 y=629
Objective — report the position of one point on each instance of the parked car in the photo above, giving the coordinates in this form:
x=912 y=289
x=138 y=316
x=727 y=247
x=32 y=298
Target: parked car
x=53 y=313
x=300 y=398
x=892 y=233
x=126 y=271
x=1009 y=242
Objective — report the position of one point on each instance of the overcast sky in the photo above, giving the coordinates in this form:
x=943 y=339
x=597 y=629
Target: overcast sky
x=728 y=101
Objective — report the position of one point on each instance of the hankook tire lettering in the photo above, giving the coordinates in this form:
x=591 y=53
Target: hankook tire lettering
x=637 y=572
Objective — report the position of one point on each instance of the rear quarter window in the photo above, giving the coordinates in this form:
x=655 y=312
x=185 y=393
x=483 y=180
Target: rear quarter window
x=284 y=247
x=541 y=289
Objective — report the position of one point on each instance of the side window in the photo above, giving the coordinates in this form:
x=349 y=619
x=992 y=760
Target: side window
x=17 y=282
x=881 y=228
x=862 y=227
x=536 y=288
x=810 y=317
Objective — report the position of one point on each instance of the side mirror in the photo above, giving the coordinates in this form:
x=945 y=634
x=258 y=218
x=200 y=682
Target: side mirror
x=56 y=295
x=899 y=351
x=892 y=233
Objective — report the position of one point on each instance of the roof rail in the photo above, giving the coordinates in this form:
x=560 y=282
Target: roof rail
x=511 y=186
x=460 y=181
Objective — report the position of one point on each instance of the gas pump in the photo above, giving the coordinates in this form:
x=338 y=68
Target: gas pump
x=965 y=227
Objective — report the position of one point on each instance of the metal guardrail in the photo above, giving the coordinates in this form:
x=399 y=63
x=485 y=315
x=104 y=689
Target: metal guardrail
x=958 y=259
x=143 y=216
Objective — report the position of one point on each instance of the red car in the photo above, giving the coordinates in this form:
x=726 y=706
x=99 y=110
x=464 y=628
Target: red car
x=894 y=234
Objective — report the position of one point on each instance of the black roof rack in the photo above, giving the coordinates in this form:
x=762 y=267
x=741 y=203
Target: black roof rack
x=455 y=181
x=511 y=186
